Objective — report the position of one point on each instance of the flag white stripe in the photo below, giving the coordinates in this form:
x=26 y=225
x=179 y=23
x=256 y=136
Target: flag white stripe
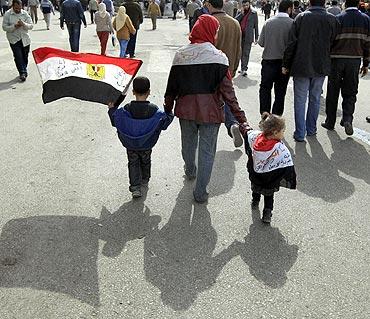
x=56 y=68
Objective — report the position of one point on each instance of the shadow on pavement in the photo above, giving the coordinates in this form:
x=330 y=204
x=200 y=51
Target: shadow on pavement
x=54 y=253
x=9 y=84
x=59 y=253
x=350 y=157
x=267 y=253
x=243 y=82
x=178 y=258
x=317 y=175
x=223 y=172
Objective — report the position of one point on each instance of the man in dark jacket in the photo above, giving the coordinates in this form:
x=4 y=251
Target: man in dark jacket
x=351 y=44
x=307 y=58
x=267 y=10
x=72 y=14
x=248 y=20
x=133 y=10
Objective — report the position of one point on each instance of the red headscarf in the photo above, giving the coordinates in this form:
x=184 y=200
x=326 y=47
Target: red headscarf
x=204 y=30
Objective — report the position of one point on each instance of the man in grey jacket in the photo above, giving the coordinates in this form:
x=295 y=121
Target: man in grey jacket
x=248 y=20
x=274 y=39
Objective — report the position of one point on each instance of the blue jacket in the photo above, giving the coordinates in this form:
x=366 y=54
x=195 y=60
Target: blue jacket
x=139 y=134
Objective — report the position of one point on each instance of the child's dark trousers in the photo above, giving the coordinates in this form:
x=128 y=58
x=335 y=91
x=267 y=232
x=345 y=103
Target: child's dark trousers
x=268 y=200
x=139 y=163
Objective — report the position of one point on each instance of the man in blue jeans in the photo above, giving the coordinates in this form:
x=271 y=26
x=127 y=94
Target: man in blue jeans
x=72 y=14
x=307 y=59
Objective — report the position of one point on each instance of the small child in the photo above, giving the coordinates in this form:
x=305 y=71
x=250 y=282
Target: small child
x=270 y=163
x=139 y=124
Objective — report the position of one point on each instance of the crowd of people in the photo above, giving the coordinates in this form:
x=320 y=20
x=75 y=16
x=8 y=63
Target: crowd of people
x=305 y=44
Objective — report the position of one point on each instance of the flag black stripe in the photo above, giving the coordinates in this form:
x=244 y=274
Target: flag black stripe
x=79 y=88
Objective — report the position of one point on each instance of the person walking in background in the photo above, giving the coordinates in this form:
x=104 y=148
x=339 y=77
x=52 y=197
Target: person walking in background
x=124 y=28
x=191 y=7
x=248 y=20
x=93 y=7
x=72 y=14
x=274 y=39
x=351 y=44
x=175 y=7
x=109 y=6
x=229 y=7
x=334 y=8
x=154 y=11
x=296 y=9
x=33 y=5
x=4 y=6
x=162 y=6
x=135 y=13
x=307 y=59
x=267 y=10
x=47 y=8
x=104 y=27
x=229 y=42
x=198 y=84
x=200 y=11
x=16 y=23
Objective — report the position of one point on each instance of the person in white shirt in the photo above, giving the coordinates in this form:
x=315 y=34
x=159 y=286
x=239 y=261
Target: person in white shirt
x=16 y=23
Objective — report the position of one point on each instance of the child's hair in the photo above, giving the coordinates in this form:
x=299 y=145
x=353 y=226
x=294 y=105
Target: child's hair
x=271 y=123
x=141 y=85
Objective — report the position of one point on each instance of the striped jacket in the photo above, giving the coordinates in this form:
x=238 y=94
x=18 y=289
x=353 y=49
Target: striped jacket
x=353 y=38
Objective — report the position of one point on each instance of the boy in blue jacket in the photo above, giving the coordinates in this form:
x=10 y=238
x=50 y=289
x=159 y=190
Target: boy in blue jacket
x=139 y=124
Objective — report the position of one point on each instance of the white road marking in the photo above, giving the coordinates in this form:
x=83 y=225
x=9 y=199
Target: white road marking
x=361 y=135
x=159 y=62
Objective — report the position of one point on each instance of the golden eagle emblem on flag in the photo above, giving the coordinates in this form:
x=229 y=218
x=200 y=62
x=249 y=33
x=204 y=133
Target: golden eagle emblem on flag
x=96 y=71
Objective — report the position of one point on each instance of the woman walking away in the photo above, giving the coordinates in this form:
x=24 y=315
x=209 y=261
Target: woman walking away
x=270 y=163
x=200 y=85
x=47 y=8
x=104 y=26
x=93 y=7
x=123 y=26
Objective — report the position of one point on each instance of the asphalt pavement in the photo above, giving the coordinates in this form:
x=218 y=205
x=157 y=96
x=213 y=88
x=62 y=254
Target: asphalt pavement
x=73 y=244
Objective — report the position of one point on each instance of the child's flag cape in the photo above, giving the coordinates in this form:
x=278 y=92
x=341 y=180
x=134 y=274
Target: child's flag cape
x=84 y=76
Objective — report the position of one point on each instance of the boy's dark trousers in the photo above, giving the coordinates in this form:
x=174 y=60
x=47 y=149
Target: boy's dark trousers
x=268 y=200
x=271 y=76
x=343 y=78
x=139 y=163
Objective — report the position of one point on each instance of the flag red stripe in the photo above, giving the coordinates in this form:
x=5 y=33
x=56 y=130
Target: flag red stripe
x=130 y=66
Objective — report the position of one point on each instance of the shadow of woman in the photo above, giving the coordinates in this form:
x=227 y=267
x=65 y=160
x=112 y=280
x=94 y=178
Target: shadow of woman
x=350 y=157
x=178 y=258
x=267 y=253
x=223 y=172
x=9 y=84
x=318 y=176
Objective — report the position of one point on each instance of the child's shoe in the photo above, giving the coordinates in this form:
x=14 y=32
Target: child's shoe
x=136 y=193
x=266 y=216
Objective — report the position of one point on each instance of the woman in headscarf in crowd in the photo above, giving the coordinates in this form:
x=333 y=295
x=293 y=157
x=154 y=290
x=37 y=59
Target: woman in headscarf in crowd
x=123 y=25
x=200 y=84
x=104 y=26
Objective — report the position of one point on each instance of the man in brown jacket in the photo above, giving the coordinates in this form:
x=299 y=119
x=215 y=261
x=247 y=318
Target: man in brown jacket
x=229 y=42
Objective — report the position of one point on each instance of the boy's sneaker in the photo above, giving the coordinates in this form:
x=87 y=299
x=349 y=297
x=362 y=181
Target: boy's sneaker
x=237 y=136
x=266 y=217
x=136 y=193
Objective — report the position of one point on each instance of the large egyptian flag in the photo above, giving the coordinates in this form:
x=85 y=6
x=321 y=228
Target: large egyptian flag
x=84 y=76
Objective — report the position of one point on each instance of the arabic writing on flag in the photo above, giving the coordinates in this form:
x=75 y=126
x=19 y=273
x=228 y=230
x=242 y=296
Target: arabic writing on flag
x=84 y=76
